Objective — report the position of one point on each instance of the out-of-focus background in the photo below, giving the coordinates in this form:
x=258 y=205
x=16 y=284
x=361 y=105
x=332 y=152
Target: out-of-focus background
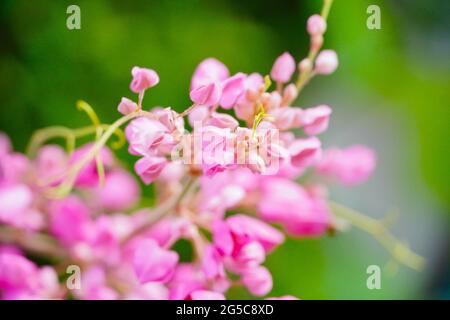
x=391 y=92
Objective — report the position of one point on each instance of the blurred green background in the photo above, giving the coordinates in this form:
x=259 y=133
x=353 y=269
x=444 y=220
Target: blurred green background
x=390 y=92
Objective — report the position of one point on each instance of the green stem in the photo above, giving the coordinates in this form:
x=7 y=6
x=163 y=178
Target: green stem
x=381 y=233
x=66 y=186
x=40 y=136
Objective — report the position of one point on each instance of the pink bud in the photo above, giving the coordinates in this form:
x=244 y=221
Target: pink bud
x=152 y=263
x=326 y=62
x=316 y=25
x=283 y=68
x=208 y=94
x=126 y=106
x=315 y=120
x=305 y=151
x=233 y=88
x=143 y=79
x=149 y=168
x=258 y=281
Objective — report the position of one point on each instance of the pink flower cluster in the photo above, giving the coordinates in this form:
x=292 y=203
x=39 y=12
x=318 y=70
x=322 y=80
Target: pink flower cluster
x=128 y=251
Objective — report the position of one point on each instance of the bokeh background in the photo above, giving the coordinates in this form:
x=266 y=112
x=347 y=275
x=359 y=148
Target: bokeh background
x=391 y=92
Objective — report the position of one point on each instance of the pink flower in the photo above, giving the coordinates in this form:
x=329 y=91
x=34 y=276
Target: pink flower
x=249 y=255
x=257 y=280
x=244 y=109
x=286 y=202
x=126 y=106
x=283 y=68
x=152 y=263
x=350 y=166
x=16 y=272
x=51 y=162
x=70 y=220
x=287 y=118
x=22 y=279
x=316 y=25
x=149 y=168
x=232 y=89
x=173 y=171
x=212 y=266
x=241 y=229
x=186 y=279
x=88 y=176
x=169 y=230
x=222 y=120
x=305 y=152
x=198 y=115
x=207 y=71
x=217 y=153
x=315 y=120
x=120 y=191
x=170 y=119
x=143 y=79
x=144 y=135
x=208 y=94
x=206 y=295
x=326 y=62
x=94 y=285
x=16 y=207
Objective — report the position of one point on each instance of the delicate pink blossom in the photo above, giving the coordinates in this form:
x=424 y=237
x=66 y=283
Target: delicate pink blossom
x=152 y=263
x=143 y=79
x=350 y=166
x=149 y=168
x=208 y=94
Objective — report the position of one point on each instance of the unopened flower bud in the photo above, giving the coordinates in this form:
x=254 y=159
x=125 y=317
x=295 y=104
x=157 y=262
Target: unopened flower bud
x=316 y=25
x=126 y=106
x=326 y=62
x=283 y=68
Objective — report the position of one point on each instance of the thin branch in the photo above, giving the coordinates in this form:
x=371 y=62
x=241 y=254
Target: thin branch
x=399 y=251
x=32 y=242
x=165 y=208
